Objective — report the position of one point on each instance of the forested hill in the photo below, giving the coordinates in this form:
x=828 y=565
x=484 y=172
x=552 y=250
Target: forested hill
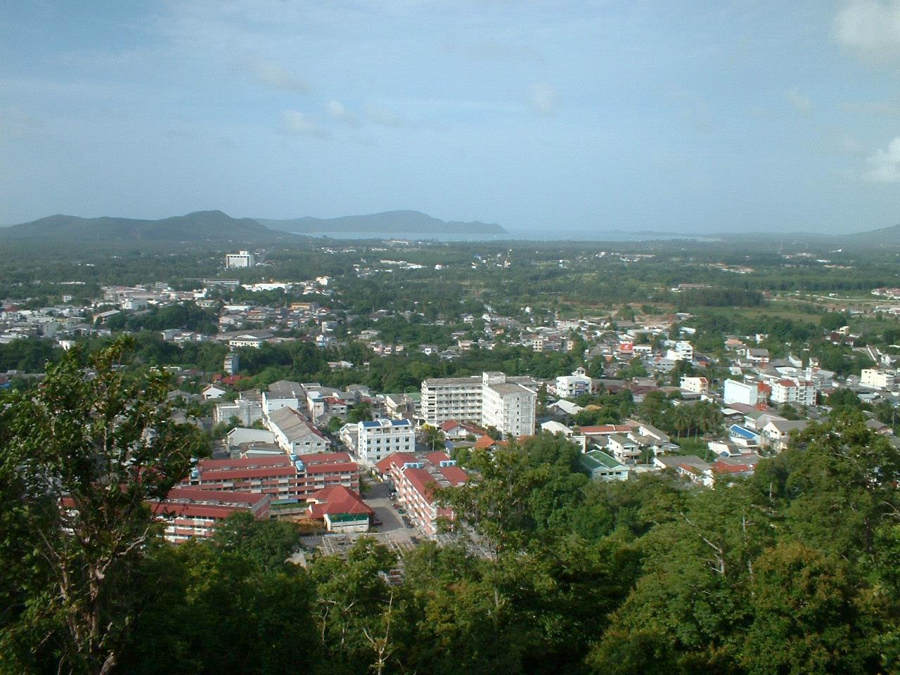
x=886 y=236
x=199 y=226
x=389 y=222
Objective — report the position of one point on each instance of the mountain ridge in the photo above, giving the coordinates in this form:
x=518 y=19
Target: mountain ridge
x=197 y=226
x=384 y=222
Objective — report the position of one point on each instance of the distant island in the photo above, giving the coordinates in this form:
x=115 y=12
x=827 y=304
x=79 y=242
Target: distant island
x=199 y=226
x=215 y=227
x=388 y=222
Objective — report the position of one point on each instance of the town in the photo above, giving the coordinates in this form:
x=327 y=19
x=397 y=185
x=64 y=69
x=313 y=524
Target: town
x=638 y=388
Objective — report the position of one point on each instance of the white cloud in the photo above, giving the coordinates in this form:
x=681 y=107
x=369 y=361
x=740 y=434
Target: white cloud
x=800 y=101
x=543 y=98
x=870 y=27
x=277 y=77
x=298 y=124
x=885 y=164
x=339 y=112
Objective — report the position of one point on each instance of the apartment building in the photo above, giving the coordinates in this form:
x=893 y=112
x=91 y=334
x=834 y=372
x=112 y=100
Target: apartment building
x=799 y=392
x=506 y=406
x=876 y=379
x=190 y=513
x=377 y=439
x=415 y=480
x=493 y=399
x=282 y=476
x=576 y=384
x=241 y=259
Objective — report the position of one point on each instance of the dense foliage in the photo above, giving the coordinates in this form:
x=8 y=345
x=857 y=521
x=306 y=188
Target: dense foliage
x=794 y=570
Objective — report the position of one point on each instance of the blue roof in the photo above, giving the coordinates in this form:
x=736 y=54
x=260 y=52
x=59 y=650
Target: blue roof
x=738 y=430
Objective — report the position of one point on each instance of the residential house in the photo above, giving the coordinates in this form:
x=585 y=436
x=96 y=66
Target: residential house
x=776 y=433
x=601 y=466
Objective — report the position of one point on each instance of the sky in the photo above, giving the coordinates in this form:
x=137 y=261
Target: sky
x=585 y=116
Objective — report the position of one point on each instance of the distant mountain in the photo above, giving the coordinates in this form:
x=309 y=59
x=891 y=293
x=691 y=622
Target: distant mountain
x=886 y=236
x=387 y=223
x=200 y=226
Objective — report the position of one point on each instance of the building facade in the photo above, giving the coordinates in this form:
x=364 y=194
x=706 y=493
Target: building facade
x=876 y=379
x=282 y=476
x=507 y=403
x=376 y=439
x=191 y=513
x=239 y=260
x=741 y=392
x=576 y=384
x=415 y=479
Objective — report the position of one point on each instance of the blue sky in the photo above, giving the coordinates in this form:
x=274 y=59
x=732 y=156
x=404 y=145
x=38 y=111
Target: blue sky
x=566 y=116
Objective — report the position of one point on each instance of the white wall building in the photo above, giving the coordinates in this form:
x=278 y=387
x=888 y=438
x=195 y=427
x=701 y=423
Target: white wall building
x=576 y=384
x=507 y=403
x=379 y=438
x=695 y=385
x=239 y=260
x=294 y=434
x=741 y=392
x=793 y=391
x=876 y=379
x=507 y=406
x=271 y=403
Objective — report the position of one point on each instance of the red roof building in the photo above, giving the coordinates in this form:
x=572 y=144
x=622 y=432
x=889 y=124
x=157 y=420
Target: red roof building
x=415 y=480
x=342 y=509
x=282 y=476
x=190 y=513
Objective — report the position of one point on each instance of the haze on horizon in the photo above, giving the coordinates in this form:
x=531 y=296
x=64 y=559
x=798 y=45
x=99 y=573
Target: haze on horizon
x=574 y=116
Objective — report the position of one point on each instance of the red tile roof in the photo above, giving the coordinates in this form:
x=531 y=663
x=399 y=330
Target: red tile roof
x=486 y=442
x=437 y=457
x=722 y=467
x=423 y=482
x=336 y=500
x=455 y=475
x=397 y=459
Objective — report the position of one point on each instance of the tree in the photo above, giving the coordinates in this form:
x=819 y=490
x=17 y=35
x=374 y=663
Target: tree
x=84 y=455
x=360 y=412
x=432 y=437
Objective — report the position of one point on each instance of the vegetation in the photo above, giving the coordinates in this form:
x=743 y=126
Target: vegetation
x=793 y=570
x=643 y=576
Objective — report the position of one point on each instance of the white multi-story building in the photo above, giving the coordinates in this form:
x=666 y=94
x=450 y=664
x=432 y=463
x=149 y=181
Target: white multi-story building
x=379 y=438
x=507 y=403
x=741 y=392
x=793 y=391
x=451 y=398
x=507 y=406
x=239 y=260
x=695 y=385
x=682 y=350
x=876 y=379
x=576 y=384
